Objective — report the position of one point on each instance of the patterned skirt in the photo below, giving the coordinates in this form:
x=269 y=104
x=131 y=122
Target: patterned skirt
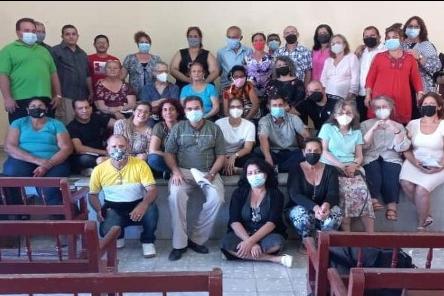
x=354 y=197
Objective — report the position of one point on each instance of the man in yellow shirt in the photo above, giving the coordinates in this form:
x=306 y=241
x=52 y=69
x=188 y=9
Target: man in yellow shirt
x=129 y=189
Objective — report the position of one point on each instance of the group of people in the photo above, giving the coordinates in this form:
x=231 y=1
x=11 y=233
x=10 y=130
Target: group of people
x=338 y=169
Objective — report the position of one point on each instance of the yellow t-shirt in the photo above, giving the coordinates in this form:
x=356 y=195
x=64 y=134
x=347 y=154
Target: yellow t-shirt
x=125 y=185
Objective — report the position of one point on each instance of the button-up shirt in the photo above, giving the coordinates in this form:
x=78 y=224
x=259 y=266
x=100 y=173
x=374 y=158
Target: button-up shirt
x=301 y=57
x=228 y=58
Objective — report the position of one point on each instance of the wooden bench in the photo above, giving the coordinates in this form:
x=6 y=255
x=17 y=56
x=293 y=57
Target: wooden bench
x=387 y=278
x=96 y=283
x=88 y=259
x=319 y=257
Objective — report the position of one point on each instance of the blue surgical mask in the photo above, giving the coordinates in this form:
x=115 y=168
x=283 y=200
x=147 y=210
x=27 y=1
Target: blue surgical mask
x=277 y=112
x=273 y=44
x=392 y=44
x=412 y=32
x=194 y=41
x=144 y=47
x=118 y=154
x=233 y=43
x=29 y=38
x=257 y=180
x=194 y=115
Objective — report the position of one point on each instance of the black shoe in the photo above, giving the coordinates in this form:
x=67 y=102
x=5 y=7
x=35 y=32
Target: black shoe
x=176 y=254
x=197 y=248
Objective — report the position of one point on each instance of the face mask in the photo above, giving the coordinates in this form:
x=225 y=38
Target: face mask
x=312 y=158
x=428 y=111
x=239 y=82
x=323 y=38
x=382 y=113
x=259 y=45
x=316 y=97
x=277 y=112
x=370 y=42
x=291 y=39
x=412 y=32
x=40 y=37
x=162 y=77
x=144 y=47
x=283 y=71
x=29 y=38
x=37 y=112
x=236 y=113
x=392 y=44
x=194 y=41
x=344 y=119
x=118 y=154
x=337 y=48
x=233 y=43
x=273 y=44
x=257 y=180
x=194 y=115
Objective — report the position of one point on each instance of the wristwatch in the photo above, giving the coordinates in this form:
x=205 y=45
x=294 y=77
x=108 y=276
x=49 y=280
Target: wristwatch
x=59 y=96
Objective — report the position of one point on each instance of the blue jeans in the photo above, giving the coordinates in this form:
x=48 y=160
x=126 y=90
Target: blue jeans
x=383 y=180
x=157 y=163
x=19 y=168
x=121 y=217
x=80 y=162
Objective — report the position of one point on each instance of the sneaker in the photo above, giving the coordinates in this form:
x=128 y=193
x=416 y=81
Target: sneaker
x=287 y=260
x=148 y=250
x=197 y=248
x=176 y=254
x=120 y=243
x=86 y=172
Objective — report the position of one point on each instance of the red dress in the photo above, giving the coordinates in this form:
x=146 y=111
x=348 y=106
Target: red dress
x=392 y=77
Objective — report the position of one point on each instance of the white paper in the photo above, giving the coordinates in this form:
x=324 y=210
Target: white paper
x=199 y=177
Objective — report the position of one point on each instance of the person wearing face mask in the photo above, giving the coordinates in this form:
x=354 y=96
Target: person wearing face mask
x=195 y=52
x=194 y=143
x=231 y=55
x=321 y=49
x=239 y=135
x=313 y=190
x=384 y=142
x=129 y=191
x=139 y=66
x=256 y=230
x=417 y=43
x=342 y=147
x=300 y=55
x=273 y=43
x=243 y=90
x=27 y=70
x=391 y=74
x=37 y=146
x=340 y=75
x=41 y=35
x=422 y=171
x=278 y=136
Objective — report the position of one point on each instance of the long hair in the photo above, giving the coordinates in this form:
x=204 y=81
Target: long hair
x=439 y=102
x=264 y=167
x=340 y=105
x=289 y=62
x=317 y=44
x=423 y=33
x=177 y=106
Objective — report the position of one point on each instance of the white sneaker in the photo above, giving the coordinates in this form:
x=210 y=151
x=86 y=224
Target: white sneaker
x=287 y=260
x=148 y=250
x=120 y=243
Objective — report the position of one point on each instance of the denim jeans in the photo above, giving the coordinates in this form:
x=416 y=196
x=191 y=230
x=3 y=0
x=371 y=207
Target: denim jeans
x=80 y=162
x=283 y=159
x=157 y=163
x=117 y=217
x=19 y=168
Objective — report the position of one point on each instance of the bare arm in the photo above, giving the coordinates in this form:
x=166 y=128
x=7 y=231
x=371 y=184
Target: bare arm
x=330 y=157
x=218 y=164
x=265 y=148
x=266 y=229
x=170 y=160
x=79 y=148
x=215 y=107
x=359 y=158
x=100 y=104
x=174 y=69
x=213 y=68
x=12 y=148
x=10 y=103
x=94 y=201
x=254 y=102
x=307 y=77
x=65 y=146
x=155 y=144
x=90 y=88
x=131 y=102
x=240 y=231
x=123 y=74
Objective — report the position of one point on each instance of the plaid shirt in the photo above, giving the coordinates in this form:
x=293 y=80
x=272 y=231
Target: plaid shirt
x=301 y=57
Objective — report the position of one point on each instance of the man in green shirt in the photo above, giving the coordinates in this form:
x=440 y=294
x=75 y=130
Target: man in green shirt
x=27 y=70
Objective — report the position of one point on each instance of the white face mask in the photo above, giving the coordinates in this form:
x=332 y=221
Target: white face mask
x=383 y=113
x=236 y=113
x=344 y=119
x=337 y=48
x=162 y=77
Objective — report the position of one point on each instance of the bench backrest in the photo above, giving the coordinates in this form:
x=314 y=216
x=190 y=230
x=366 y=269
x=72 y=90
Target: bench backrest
x=88 y=259
x=114 y=282
x=385 y=278
x=319 y=258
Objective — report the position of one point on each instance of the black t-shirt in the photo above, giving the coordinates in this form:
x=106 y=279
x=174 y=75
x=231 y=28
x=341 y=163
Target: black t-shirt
x=318 y=114
x=91 y=134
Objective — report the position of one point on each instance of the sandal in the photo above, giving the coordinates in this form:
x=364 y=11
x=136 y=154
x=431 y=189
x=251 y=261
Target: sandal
x=377 y=205
x=428 y=221
x=391 y=215
x=421 y=229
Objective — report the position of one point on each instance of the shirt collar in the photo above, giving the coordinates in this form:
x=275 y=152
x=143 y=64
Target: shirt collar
x=336 y=128
x=64 y=45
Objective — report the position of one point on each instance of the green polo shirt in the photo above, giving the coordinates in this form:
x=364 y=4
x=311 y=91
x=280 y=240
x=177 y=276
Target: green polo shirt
x=29 y=69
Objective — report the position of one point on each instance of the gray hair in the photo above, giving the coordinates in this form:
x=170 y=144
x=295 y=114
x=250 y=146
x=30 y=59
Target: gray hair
x=339 y=106
x=387 y=99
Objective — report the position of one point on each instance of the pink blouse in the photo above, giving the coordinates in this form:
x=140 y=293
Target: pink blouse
x=318 y=60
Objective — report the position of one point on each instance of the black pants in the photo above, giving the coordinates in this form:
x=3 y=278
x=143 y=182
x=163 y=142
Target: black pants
x=362 y=109
x=383 y=180
x=23 y=105
x=80 y=162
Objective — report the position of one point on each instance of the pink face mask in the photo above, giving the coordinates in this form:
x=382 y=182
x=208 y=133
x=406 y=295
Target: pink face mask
x=239 y=82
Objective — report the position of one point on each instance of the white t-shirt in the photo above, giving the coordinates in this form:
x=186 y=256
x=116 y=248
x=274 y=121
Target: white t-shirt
x=235 y=137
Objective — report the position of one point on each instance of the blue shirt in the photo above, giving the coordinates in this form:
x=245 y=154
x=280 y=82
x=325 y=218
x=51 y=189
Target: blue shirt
x=343 y=147
x=149 y=92
x=206 y=94
x=39 y=143
x=228 y=58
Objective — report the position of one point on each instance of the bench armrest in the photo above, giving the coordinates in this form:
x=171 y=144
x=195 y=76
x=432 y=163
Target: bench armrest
x=312 y=254
x=108 y=246
x=337 y=287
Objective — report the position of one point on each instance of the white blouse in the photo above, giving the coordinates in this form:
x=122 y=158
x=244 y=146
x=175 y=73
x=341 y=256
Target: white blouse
x=342 y=79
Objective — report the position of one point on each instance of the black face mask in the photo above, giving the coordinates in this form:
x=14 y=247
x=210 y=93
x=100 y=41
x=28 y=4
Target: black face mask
x=312 y=158
x=370 y=42
x=283 y=71
x=316 y=97
x=37 y=112
x=428 y=111
x=291 y=39
x=323 y=38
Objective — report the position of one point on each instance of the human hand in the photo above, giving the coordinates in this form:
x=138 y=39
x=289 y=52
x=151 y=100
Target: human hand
x=55 y=102
x=244 y=249
x=137 y=213
x=256 y=251
x=177 y=178
x=10 y=105
x=40 y=171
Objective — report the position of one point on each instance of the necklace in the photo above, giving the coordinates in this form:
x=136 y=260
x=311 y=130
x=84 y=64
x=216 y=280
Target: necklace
x=316 y=177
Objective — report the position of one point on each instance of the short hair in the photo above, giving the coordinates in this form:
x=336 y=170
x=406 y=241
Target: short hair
x=265 y=167
x=258 y=34
x=423 y=34
x=346 y=47
x=116 y=136
x=236 y=99
x=439 y=102
x=79 y=100
x=387 y=99
x=177 y=106
x=317 y=44
x=371 y=28
x=271 y=35
x=275 y=97
x=312 y=140
x=113 y=61
x=234 y=28
x=160 y=63
x=140 y=34
x=191 y=99
x=287 y=60
x=195 y=63
x=65 y=27
x=23 y=20
x=101 y=36
x=340 y=104
x=38 y=23
x=397 y=28
x=235 y=69
x=143 y=103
